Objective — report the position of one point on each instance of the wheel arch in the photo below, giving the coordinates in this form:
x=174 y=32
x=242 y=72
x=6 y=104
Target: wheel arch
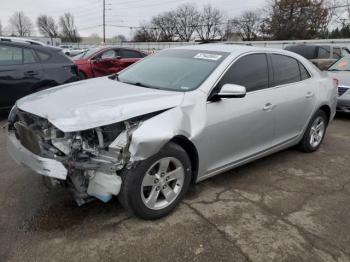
x=191 y=151
x=327 y=110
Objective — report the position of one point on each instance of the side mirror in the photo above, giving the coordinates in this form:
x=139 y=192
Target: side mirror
x=231 y=91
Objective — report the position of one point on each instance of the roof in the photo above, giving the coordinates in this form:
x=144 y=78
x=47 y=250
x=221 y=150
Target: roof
x=21 y=40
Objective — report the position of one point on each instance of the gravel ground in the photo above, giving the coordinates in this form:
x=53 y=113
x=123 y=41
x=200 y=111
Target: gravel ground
x=290 y=206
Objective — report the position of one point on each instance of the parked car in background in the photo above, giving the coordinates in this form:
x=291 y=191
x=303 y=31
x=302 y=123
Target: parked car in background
x=320 y=55
x=179 y=116
x=340 y=70
x=102 y=61
x=69 y=50
x=27 y=67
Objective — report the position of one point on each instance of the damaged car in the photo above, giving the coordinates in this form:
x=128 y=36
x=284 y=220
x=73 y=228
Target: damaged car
x=173 y=119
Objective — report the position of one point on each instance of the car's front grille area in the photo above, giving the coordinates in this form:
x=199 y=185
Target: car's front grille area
x=342 y=90
x=27 y=137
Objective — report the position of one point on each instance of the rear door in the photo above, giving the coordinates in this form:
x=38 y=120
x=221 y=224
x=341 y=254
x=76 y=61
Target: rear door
x=20 y=71
x=295 y=96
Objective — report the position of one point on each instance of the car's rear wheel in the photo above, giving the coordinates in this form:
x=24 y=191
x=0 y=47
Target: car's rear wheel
x=156 y=186
x=315 y=132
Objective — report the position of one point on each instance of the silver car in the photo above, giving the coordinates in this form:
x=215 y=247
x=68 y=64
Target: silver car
x=172 y=119
x=340 y=71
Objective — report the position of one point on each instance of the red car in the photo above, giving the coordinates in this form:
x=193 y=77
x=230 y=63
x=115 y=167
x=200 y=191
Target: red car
x=102 y=61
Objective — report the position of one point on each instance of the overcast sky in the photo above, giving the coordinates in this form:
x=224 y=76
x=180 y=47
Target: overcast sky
x=88 y=13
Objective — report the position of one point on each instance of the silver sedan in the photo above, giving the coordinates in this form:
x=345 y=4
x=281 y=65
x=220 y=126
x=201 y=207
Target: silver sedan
x=179 y=116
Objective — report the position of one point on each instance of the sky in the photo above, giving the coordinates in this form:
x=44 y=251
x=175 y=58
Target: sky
x=120 y=14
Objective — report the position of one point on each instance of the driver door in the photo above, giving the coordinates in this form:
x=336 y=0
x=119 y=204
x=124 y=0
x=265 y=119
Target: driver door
x=239 y=128
x=105 y=63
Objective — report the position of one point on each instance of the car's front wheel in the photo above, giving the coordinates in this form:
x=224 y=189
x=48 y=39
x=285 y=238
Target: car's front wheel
x=156 y=185
x=315 y=132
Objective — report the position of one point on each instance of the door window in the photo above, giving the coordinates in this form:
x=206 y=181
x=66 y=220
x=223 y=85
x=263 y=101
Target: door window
x=324 y=52
x=129 y=54
x=304 y=74
x=28 y=56
x=250 y=71
x=110 y=54
x=285 y=69
x=10 y=55
x=336 y=53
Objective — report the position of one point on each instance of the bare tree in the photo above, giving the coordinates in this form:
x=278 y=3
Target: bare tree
x=166 y=23
x=247 y=25
x=187 y=20
x=69 y=31
x=20 y=24
x=47 y=26
x=0 y=28
x=210 y=23
x=147 y=33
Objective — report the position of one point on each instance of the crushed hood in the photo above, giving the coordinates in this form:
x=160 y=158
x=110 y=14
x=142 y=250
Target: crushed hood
x=96 y=102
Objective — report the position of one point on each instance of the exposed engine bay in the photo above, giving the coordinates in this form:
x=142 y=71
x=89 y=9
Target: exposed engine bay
x=93 y=158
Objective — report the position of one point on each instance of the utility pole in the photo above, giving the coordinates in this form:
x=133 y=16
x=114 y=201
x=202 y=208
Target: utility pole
x=104 y=21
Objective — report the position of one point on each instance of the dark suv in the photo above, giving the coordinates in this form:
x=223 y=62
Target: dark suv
x=27 y=67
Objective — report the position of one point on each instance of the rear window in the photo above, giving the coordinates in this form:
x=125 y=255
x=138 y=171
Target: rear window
x=129 y=54
x=285 y=69
x=43 y=56
x=309 y=52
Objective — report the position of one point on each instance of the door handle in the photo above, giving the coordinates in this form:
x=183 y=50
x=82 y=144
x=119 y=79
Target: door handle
x=31 y=73
x=309 y=94
x=268 y=107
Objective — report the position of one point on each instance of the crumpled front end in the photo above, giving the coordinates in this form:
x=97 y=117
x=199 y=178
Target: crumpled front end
x=87 y=161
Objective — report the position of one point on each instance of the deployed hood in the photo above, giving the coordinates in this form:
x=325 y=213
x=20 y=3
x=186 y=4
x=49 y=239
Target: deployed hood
x=96 y=102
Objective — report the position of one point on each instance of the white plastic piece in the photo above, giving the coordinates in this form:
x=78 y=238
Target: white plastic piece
x=103 y=186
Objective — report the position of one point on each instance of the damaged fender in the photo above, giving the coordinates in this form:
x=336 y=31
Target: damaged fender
x=155 y=132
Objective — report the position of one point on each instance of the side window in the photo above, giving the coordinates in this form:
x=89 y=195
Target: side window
x=304 y=74
x=129 y=54
x=324 y=52
x=10 y=55
x=43 y=56
x=28 y=56
x=336 y=53
x=285 y=69
x=110 y=54
x=250 y=71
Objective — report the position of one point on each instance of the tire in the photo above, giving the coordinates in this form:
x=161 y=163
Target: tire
x=151 y=178
x=306 y=144
x=81 y=75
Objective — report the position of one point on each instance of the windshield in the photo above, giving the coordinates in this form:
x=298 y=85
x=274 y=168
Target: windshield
x=343 y=64
x=176 y=69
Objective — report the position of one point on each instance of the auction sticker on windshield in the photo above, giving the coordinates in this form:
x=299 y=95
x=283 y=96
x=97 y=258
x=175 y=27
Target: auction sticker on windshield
x=207 y=56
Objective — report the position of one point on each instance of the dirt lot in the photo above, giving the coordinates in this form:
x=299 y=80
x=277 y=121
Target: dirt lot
x=287 y=207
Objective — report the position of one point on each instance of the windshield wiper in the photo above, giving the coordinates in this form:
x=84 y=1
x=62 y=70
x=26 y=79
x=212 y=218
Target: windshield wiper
x=140 y=84
x=334 y=69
